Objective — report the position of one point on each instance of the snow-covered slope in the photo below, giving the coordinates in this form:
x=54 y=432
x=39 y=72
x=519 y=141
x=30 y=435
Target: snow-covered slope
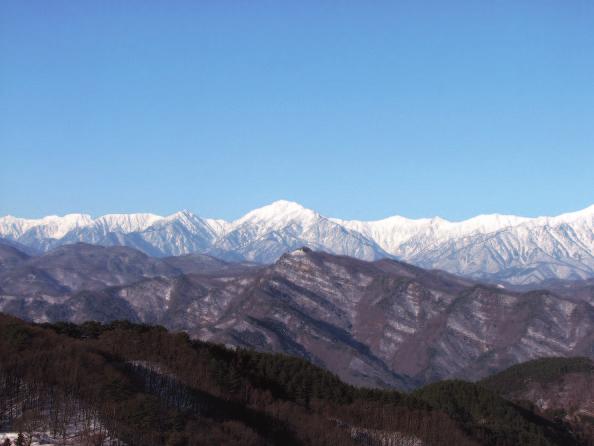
x=52 y=226
x=402 y=236
x=126 y=223
x=495 y=247
x=264 y=234
x=180 y=233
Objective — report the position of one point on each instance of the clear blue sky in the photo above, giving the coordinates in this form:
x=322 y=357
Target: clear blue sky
x=356 y=109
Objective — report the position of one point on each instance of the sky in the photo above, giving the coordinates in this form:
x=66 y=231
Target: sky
x=356 y=109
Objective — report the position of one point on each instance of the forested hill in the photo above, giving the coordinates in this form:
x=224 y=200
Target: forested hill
x=124 y=383
x=556 y=388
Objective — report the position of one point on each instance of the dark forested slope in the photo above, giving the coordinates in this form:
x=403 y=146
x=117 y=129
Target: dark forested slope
x=142 y=385
x=556 y=388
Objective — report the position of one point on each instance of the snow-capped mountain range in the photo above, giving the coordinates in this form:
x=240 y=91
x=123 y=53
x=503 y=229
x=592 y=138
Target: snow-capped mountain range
x=508 y=248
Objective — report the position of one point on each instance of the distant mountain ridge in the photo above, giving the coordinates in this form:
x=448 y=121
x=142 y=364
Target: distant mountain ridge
x=496 y=248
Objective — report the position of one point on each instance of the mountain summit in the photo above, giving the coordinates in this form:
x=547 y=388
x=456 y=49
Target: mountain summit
x=498 y=248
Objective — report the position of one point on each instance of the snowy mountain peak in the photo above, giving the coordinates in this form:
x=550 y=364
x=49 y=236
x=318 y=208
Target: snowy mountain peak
x=488 y=247
x=184 y=214
x=187 y=220
x=52 y=226
x=486 y=223
x=277 y=212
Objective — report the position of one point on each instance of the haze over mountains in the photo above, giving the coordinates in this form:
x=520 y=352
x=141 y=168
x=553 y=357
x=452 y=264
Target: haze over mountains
x=496 y=248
